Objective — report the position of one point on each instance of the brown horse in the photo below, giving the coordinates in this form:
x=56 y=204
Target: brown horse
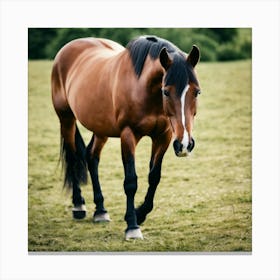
x=148 y=88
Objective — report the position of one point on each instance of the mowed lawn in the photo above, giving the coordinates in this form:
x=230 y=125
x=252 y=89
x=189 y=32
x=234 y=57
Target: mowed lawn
x=203 y=203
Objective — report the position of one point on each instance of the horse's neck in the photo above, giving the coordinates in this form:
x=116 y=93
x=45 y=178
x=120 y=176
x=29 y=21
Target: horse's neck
x=152 y=76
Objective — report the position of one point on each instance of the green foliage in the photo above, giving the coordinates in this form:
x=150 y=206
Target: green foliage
x=38 y=39
x=207 y=47
x=223 y=35
x=215 y=43
x=228 y=52
x=238 y=49
x=203 y=203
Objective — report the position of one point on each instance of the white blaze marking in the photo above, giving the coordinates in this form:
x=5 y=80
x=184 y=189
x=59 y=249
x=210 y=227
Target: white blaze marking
x=185 y=140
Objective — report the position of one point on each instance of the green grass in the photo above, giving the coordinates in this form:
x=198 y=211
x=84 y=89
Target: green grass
x=203 y=203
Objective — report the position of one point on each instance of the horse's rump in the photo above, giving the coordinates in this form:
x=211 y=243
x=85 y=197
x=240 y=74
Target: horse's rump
x=83 y=79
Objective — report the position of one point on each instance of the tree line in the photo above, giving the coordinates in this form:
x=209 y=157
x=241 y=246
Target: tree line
x=216 y=44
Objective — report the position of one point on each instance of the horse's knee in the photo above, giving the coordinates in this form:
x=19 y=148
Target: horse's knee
x=130 y=179
x=154 y=176
x=130 y=185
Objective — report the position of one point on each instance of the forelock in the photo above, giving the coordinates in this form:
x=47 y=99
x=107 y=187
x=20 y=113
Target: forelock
x=178 y=74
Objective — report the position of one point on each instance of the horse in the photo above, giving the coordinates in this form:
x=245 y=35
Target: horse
x=148 y=88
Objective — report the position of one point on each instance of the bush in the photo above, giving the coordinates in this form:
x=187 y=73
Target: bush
x=228 y=52
x=223 y=35
x=38 y=38
x=246 y=49
x=214 y=43
x=207 y=47
x=235 y=51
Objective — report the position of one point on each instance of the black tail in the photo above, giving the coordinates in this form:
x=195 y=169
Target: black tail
x=74 y=163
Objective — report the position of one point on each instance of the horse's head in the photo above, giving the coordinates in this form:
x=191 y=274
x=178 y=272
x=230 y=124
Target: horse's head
x=180 y=89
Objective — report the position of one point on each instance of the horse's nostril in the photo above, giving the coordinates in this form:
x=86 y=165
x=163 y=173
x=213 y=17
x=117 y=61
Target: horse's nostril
x=191 y=145
x=177 y=146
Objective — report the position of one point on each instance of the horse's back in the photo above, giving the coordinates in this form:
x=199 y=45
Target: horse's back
x=82 y=49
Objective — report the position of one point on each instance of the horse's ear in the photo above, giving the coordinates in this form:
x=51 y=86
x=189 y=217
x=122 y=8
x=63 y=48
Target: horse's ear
x=194 y=56
x=165 y=59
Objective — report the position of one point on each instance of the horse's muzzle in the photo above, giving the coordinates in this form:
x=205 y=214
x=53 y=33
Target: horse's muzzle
x=182 y=151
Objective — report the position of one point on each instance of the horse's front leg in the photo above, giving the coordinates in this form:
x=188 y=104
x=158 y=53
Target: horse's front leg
x=159 y=147
x=128 y=144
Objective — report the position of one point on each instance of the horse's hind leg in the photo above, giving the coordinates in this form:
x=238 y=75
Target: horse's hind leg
x=72 y=145
x=73 y=152
x=93 y=155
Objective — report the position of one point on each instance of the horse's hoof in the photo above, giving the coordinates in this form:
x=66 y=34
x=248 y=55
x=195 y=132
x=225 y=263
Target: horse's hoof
x=101 y=218
x=133 y=234
x=79 y=212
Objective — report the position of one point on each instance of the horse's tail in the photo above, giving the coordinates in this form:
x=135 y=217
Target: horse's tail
x=74 y=161
x=72 y=148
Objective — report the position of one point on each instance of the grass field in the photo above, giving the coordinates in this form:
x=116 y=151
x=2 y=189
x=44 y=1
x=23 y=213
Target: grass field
x=203 y=203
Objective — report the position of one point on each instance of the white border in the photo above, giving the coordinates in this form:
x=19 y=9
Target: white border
x=17 y=16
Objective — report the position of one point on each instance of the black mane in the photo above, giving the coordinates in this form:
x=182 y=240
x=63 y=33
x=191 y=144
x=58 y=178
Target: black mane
x=139 y=49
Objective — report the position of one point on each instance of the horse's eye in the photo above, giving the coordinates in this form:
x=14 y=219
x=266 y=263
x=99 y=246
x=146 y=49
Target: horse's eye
x=165 y=92
x=196 y=93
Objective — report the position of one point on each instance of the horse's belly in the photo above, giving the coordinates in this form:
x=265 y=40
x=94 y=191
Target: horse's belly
x=98 y=119
x=102 y=128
